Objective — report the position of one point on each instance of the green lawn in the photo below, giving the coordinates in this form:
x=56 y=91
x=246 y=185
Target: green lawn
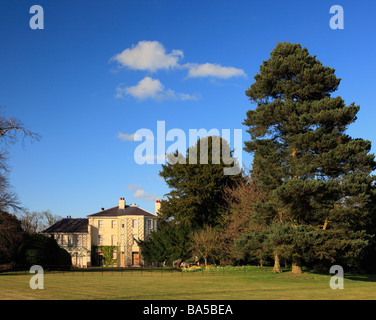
x=251 y=285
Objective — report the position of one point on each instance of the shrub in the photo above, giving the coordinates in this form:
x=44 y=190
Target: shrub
x=44 y=251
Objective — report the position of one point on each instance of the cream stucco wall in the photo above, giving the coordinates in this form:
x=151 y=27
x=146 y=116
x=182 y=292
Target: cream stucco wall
x=120 y=231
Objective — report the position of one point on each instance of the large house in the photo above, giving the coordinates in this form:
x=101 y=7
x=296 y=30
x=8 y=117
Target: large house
x=116 y=228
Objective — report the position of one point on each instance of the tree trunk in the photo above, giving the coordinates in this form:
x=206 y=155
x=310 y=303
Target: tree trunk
x=296 y=264
x=178 y=263
x=277 y=266
x=206 y=261
x=260 y=262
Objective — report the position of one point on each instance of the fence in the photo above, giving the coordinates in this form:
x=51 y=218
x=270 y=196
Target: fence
x=137 y=271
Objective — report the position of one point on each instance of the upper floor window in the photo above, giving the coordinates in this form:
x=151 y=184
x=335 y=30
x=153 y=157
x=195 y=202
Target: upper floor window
x=113 y=224
x=100 y=223
x=134 y=223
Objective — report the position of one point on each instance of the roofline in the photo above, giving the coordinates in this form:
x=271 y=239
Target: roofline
x=41 y=232
x=148 y=212
x=44 y=231
x=97 y=214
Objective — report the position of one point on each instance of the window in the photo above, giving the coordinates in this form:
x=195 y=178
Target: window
x=113 y=240
x=100 y=240
x=113 y=224
x=70 y=240
x=73 y=240
x=134 y=223
x=122 y=224
x=100 y=224
x=59 y=239
x=114 y=255
x=79 y=240
x=150 y=227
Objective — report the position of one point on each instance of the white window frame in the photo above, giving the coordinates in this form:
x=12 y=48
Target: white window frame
x=113 y=240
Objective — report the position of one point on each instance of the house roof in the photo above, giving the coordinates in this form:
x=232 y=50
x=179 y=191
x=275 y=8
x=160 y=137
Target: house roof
x=131 y=210
x=69 y=225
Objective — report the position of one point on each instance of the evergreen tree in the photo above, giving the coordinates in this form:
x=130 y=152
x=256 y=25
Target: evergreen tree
x=11 y=237
x=312 y=173
x=250 y=247
x=197 y=187
x=168 y=244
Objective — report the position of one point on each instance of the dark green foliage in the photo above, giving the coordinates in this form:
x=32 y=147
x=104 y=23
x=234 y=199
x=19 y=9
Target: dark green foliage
x=11 y=236
x=38 y=249
x=292 y=73
x=196 y=197
x=249 y=248
x=314 y=176
x=166 y=245
x=64 y=259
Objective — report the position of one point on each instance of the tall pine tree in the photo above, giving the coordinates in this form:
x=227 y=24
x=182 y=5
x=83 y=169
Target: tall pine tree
x=312 y=173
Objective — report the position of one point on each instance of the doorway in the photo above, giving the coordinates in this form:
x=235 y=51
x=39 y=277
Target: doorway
x=135 y=258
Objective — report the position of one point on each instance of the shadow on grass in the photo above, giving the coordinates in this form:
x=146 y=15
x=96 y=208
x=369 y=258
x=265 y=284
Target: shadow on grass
x=361 y=277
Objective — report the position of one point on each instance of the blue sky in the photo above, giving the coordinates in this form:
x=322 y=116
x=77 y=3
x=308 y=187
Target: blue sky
x=99 y=69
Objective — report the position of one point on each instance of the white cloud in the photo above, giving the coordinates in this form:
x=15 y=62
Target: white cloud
x=213 y=70
x=152 y=56
x=148 y=56
x=142 y=194
x=149 y=88
x=146 y=88
x=132 y=187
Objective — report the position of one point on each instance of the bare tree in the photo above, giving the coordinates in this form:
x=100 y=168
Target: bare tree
x=204 y=243
x=10 y=131
x=11 y=233
x=241 y=217
x=50 y=218
x=35 y=221
x=12 y=127
x=8 y=198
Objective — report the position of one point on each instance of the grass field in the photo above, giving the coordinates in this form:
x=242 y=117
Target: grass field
x=251 y=285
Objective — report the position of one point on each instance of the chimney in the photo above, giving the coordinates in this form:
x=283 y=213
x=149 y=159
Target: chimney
x=157 y=206
x=122 y=203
